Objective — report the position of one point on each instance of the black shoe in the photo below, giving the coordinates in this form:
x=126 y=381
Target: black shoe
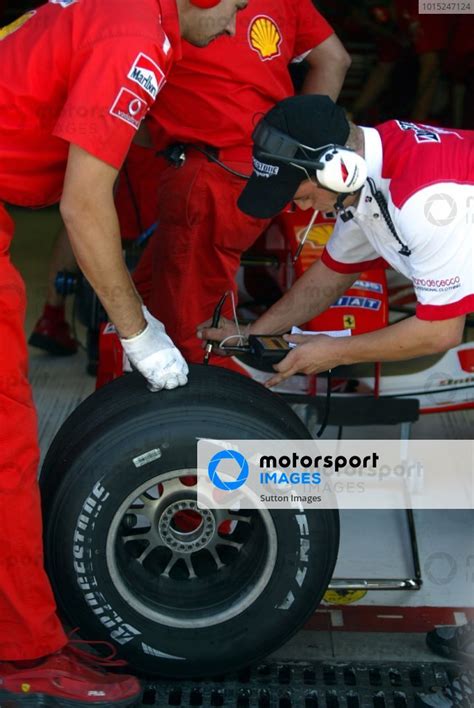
x=459 y=693
x=453 y=642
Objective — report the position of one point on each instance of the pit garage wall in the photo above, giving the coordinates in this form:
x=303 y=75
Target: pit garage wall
x=376 y=544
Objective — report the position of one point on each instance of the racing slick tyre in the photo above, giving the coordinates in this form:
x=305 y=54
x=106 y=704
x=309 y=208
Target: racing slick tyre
x=178 y=591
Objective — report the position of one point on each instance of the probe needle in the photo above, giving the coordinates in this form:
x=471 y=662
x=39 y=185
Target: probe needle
x=305 y=235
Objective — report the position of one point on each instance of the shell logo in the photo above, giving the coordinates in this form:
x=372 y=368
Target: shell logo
x=14 y=26
x=265 y=37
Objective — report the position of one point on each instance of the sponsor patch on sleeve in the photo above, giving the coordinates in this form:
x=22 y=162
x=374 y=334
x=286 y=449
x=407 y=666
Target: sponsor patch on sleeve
x=147 y=74
x=129 y=107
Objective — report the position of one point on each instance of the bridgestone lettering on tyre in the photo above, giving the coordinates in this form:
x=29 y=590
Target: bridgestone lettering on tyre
x=179 y=591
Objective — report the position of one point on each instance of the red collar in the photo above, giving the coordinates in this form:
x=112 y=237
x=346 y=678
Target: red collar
x=170 y=24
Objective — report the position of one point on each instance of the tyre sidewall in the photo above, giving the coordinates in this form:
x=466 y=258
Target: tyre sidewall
x=91 y=494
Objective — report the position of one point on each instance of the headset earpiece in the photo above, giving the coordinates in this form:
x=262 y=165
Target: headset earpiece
x=343 y=171
x=337 y=168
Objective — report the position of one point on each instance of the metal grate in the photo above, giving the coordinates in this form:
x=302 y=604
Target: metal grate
x=306 y=685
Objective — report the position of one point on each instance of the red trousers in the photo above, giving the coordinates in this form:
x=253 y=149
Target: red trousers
x=194 y=255
x=136 y=191
x=29 y=627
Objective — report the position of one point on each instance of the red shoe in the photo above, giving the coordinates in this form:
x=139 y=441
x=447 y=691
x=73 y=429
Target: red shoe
x=70 y=678
x=52 y=333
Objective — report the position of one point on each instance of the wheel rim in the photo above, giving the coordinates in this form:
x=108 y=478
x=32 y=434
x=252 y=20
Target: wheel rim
x=186 y=567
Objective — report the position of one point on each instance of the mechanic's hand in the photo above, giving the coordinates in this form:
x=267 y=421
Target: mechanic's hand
x=154 y=355
x=226 y=328
x=314 y=354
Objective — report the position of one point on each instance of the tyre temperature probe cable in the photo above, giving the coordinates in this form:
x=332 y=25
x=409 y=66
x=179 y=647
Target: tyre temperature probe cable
x=215 y=324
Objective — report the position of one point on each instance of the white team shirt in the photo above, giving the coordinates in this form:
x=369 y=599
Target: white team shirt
x=426 y=175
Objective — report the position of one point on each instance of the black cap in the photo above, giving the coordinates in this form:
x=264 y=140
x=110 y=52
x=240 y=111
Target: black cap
x=314 y=121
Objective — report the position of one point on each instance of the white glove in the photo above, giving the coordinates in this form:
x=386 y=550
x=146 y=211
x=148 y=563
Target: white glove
x=154 y=355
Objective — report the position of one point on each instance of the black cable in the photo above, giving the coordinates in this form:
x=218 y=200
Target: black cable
x=327 y=409
x=216 y=160
x=215 y=323
x=382 y=203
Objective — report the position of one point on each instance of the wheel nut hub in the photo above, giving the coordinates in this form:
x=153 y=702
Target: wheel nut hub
x=186 y=538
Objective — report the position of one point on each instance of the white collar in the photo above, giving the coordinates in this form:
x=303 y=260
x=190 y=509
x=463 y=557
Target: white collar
x=373 y=152
x=373 y=155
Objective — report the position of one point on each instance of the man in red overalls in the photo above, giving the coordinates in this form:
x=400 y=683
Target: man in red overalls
x=77 y=79
x=209 y=105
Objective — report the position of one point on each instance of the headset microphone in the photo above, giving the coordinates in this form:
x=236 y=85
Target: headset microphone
x=341 y=209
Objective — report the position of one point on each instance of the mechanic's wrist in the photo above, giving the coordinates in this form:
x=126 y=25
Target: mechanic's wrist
x=341 y=351
x=256 y=328
x=245 y=331
x=250 y=329
x=134 y=333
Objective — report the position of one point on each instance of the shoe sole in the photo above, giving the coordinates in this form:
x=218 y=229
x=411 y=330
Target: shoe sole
x=48 y=345
x=41 y=700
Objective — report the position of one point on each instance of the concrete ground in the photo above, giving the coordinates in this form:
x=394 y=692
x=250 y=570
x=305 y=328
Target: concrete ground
x=310 y=645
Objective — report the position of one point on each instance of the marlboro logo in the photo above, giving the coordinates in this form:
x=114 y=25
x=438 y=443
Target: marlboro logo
x=147 y=74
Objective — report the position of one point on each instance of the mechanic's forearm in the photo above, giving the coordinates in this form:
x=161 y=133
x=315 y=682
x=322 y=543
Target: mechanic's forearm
x=408 y=339
x=326 y=80
x=328 y=64
x=95 y=238
x=311 y=295
x=88 y=211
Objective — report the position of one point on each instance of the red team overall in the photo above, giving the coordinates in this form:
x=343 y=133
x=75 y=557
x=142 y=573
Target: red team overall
x=77 y=79
x=210 y=104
